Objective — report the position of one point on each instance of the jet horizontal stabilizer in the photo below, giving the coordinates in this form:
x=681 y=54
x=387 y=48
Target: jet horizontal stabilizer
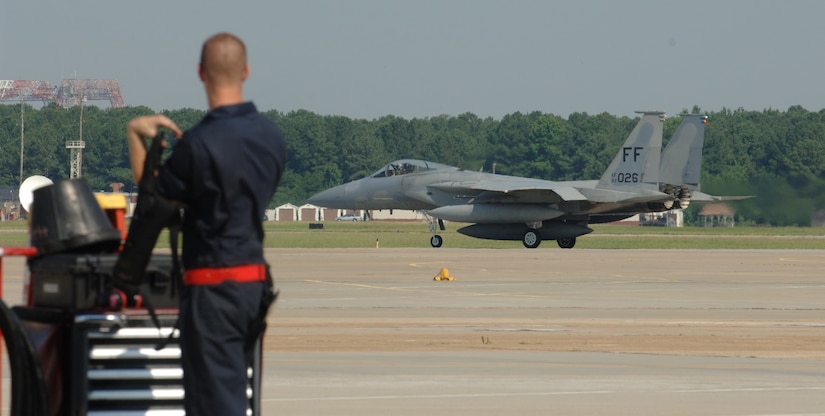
x=697 y=196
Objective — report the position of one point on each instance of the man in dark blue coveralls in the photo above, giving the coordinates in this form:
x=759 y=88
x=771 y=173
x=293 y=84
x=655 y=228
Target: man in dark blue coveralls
x=225 y=170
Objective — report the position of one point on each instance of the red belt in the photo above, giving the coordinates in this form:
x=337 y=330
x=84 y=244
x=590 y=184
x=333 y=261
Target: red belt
x=212 y=276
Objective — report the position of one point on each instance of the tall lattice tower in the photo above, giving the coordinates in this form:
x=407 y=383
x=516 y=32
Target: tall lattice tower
x=76 y=147
x=76 y=158
x=69 y=93
x=26 y=90
x=74 y=92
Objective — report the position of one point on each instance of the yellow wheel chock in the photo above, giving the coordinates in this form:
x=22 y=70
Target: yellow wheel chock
x=444 y=274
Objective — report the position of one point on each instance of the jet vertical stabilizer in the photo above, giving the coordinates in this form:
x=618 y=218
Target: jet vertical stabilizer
x=637 y=163
x=681 y=164
x=682 y=159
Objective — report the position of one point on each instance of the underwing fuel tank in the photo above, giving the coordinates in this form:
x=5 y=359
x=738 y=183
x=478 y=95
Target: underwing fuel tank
x=549 y=231
x=495 y=213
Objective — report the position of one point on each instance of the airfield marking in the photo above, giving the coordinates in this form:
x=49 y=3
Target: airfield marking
x=617 y=275
x=427 y=263
x=795 y=259
x=401 y=289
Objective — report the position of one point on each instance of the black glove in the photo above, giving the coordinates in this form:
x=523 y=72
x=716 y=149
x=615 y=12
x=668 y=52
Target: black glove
x=152 y=214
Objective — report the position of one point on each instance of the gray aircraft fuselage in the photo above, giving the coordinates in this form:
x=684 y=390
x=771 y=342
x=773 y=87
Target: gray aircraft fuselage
x=450 y=193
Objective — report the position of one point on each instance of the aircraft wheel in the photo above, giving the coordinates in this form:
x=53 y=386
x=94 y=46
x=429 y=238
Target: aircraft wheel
x=436 y=241
x=566 y=242
x=531 y=238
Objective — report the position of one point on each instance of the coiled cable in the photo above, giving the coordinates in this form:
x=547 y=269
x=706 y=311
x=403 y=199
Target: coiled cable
x=28 y=389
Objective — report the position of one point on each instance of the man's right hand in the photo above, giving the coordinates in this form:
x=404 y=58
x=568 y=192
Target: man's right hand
x=147 y=126
x=138 y=130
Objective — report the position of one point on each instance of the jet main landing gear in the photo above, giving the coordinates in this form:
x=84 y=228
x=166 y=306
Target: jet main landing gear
x=531 y=238
x=566 y=242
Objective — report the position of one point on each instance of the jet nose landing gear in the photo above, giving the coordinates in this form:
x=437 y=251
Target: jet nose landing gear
x=436 y=239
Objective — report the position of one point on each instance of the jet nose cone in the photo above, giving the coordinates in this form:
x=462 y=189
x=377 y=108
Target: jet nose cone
x=331 y=198
x=320 y=199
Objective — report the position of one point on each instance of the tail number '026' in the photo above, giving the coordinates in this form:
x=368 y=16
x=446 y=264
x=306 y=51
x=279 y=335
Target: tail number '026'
x=620 y=177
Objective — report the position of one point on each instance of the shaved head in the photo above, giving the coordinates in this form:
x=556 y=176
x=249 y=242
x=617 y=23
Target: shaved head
x=223 y=59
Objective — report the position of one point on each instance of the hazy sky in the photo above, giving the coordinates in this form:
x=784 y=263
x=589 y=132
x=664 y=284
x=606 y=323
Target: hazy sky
x=423 y=58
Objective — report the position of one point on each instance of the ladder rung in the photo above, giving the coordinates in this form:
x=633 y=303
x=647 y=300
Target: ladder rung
x=136 y=374
x=133 y=333
x=166 y=412
x=127 y=353
x=141 y=394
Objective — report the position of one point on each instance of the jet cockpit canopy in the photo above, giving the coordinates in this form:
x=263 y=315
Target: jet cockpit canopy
x=406 y=167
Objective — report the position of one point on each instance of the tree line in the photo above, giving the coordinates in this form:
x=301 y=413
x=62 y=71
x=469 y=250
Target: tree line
x=779 y=156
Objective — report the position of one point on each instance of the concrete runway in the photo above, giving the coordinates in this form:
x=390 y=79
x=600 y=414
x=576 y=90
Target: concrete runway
x=548 y=331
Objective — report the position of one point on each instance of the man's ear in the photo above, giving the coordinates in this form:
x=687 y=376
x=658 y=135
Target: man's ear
x=200 y=73
x=245 y=71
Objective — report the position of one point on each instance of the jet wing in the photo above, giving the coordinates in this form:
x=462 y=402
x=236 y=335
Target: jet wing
x=526 y=190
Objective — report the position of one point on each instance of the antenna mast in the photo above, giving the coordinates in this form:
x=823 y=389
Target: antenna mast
x=22 y=124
